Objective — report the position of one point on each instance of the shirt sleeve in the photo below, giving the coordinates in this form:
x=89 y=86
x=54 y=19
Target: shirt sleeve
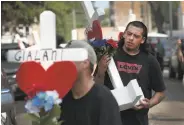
x=155 y=74
x=109 y=111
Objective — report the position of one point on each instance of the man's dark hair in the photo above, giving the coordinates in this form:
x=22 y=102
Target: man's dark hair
x=139 y=24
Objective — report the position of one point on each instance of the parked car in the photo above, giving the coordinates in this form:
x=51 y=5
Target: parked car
x=8 y=114
x=19 y=95
x=10 y=68
x=163 y=58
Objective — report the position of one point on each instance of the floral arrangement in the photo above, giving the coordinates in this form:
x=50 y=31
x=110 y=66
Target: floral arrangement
x=43 y=108
x=104 y=46
x=95 y=37
x=45 y=89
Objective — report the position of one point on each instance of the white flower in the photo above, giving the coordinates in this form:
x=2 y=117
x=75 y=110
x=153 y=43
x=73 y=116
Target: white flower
x=58 y=101
x=30 y=108
x=55 y=96
x=53 y=93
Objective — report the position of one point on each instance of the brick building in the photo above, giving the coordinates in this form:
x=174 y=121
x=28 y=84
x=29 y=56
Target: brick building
x=121 y=13
x=123 y=9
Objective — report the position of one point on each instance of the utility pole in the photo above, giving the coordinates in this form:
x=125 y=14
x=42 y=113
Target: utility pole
x=74 y=18
x=170 y=18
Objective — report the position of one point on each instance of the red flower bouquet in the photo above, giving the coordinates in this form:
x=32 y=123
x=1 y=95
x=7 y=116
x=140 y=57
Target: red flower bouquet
x=104 y=46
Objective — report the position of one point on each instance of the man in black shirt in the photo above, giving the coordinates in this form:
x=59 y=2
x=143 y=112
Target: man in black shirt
x=88 y=103
x=133 y=61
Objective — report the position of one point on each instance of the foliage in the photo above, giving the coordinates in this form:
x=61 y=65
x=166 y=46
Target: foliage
x=24 y=12
x=46 y=119
x=159 y=10
x=20 y=11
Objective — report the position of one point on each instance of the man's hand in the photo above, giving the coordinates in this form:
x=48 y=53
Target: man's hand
x=102 y=68
x=103 y=64
x=145 y=103
x=138 y=107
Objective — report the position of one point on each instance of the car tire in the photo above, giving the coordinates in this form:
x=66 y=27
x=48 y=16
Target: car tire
x=172 y=73
x=19 y=95
x=10 y=118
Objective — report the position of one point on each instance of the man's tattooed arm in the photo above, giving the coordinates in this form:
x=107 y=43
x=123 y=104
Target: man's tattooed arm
x=157 y=98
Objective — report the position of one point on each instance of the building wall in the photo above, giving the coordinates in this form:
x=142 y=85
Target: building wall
x=140 y=8
x=182 y=5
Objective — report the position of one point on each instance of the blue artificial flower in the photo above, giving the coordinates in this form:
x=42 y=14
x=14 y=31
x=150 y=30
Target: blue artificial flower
x=36 y=101
x=49 y=102
x=39 y=99
x=98 y=43
x=30 y=108
x=41 y=95
x=44 y=100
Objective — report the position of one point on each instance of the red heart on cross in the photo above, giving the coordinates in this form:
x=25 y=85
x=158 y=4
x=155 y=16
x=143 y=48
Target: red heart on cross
x=60 y=76
x=96 y=31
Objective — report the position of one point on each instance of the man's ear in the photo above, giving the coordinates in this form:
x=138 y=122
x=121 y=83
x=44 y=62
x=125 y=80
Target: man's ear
x=94 y=69
x=143 y=40
x=86 y=63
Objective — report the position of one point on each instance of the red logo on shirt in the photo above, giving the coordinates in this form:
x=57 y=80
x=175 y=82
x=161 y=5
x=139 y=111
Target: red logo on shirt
x=128 y=67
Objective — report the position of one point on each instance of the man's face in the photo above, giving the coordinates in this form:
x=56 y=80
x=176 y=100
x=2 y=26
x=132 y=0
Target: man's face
x=133 y=37
x=82 y=66
x=78 y=66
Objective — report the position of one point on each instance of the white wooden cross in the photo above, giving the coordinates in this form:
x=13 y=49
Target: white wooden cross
x=126 y=96
x=46 y=52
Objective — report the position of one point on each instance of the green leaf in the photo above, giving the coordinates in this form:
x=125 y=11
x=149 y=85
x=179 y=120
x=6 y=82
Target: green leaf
x=60 y=122
x=35 y=123
x=24 y=12
x=54 y=113
x=32 y=117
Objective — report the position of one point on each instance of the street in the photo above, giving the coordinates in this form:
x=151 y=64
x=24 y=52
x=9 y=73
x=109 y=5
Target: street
x=168 y=112
x=171 y=110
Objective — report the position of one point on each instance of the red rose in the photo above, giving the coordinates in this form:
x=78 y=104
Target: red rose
x=112 y=43
x=120 y=36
